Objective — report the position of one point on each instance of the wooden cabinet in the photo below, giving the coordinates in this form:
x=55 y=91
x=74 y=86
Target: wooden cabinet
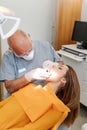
x=68 y=11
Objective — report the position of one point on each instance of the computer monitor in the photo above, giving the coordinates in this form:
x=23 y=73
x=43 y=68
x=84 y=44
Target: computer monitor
x=80 y=34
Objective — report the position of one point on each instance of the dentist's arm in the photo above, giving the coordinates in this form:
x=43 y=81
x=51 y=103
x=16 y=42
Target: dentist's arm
x=36 y=74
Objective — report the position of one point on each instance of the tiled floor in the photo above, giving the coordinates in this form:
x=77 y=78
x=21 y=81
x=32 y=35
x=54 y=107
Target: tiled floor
x=81 y=119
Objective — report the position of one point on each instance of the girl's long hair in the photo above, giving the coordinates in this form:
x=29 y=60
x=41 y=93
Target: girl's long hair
x=70 y=95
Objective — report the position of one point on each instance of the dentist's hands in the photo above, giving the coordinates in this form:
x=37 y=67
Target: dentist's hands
x=44 y=73
x=37 y=74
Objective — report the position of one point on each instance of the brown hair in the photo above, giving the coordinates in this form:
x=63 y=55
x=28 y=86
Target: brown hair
x=70 y=95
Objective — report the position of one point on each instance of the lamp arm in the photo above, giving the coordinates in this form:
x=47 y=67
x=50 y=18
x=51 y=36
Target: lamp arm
x=5 y=18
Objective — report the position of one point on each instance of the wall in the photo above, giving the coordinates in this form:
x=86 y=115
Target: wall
x=84 y=11
x=37 y=17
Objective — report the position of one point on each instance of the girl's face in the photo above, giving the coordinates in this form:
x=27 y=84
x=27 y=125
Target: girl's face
x=57 y=71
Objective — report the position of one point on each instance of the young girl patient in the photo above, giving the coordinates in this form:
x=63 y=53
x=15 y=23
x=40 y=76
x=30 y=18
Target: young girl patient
x=43 y=107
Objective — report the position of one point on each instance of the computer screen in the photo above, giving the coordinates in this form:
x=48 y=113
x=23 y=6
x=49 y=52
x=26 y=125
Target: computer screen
x=80 y=33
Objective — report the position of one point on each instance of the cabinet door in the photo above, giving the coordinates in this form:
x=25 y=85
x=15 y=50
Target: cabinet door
x=68 y=12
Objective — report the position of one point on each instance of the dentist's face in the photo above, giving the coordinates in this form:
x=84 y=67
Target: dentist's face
x=20 y=43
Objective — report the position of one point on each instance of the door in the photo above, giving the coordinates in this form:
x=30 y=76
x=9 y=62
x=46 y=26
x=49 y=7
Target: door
x=68 y=12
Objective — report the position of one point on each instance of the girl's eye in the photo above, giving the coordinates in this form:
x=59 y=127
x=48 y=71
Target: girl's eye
x=60 y=68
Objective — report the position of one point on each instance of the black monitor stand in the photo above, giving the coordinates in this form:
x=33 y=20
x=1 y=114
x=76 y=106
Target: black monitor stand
x=82 y=45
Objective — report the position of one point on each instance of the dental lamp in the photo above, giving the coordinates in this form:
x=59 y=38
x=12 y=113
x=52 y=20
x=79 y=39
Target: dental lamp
x=6 y=20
